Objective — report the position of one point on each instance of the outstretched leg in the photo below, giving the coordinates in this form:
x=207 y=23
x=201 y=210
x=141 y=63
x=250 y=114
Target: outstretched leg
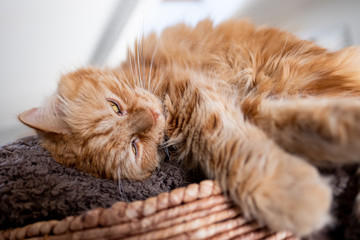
x=322 y=130
x=276 y=188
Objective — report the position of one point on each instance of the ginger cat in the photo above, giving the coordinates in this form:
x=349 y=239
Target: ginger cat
x=256 y=108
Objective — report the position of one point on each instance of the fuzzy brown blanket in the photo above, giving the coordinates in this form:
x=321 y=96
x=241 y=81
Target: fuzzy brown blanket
x=33 y=187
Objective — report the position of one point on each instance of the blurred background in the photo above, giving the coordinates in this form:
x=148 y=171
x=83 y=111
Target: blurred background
x=41 y=39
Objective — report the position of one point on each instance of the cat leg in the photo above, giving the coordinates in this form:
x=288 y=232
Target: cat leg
x=319 y=129
x=278 y=189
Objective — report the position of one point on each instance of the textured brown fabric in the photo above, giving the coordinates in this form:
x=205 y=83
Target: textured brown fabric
x=33 y=187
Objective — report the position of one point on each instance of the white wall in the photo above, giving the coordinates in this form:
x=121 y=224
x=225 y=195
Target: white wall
x=40 y=40
x=333 y=23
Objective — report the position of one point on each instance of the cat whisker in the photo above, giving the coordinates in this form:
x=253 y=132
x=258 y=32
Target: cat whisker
x=165 y=148
x=138 y=64
x=160 y=80
x=62 y=102
x=142 y=59
x=121 y=191
x=131 y=66
x=169 y=143
x=151 y=66
x=126 y=79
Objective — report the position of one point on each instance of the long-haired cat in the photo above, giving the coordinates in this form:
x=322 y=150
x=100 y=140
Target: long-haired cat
x=255 y=108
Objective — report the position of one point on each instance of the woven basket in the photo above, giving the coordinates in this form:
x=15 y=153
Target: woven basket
x=198 y=211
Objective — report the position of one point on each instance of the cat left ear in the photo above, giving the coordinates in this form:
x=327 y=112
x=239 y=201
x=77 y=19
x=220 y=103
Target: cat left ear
x=44 y=119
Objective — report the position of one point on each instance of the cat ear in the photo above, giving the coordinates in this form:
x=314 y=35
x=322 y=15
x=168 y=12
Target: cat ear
x=46 y=119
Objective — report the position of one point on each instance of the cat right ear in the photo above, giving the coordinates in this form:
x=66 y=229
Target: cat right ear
x=44 y=119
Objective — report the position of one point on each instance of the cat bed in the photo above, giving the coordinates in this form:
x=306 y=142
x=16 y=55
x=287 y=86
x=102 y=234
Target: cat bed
x=40 y=198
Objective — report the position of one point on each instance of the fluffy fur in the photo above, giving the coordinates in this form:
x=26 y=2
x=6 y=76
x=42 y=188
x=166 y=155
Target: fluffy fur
x=255 y=108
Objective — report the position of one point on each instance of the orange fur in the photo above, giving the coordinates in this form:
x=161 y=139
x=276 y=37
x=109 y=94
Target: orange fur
x=255 y=108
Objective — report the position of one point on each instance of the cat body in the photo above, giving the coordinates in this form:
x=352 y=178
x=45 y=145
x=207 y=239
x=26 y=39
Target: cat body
x=256 y=108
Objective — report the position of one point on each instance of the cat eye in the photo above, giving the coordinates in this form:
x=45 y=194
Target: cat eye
x=115 y=106
x=134 y=147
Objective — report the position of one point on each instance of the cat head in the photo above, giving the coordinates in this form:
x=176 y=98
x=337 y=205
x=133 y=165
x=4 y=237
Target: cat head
x=98 y=123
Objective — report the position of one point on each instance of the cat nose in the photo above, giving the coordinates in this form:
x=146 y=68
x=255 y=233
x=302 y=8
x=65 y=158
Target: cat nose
x=155 y=115
x=143 y=119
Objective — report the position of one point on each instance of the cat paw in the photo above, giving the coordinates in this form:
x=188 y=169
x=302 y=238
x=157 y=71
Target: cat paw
x=291 y=196
x=297 y=199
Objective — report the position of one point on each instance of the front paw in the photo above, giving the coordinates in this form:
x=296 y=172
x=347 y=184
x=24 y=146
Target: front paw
x=290 y=195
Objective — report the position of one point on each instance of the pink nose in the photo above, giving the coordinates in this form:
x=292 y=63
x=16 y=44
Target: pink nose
x=155 y=115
